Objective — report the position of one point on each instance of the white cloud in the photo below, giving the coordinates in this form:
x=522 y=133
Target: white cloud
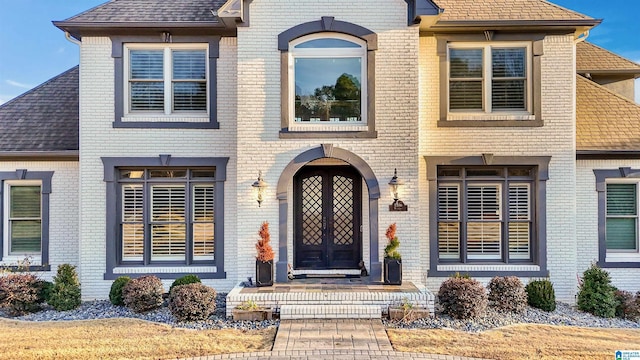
x=18 y=84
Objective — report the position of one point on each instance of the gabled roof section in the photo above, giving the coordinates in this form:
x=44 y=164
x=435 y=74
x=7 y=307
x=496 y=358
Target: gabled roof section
x=44 y=119
x=605 y=121
x=596 y=60
x=145 y=14
x=512 y=14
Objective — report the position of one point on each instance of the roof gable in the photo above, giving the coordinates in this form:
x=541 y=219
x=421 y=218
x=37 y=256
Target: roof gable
x=594 y=59
x=44 y=118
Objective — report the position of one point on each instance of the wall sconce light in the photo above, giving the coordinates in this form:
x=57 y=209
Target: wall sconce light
x=259 y=186
x=394 y=187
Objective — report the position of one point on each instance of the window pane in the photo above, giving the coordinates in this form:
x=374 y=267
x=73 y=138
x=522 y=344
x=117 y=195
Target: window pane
x=132 y=241
x=203 y=174
x=465 y=95
x=168 y=242
x=131 y=174
x=25 y=236
x=483 y=240
x=449 y=172
x=448 y=202
x=484 y=172
x=146 y=64
x=178 y=174
x=483 y=202
x=167 y=203
x=190 y=96
x=621 y=199
x=519 y=235
x=621 y=234
x=25 y=202
x=203 y=226
x=519 y=202
x=132 y=203
x=328 y=89
x=508 y=62
x=147 y=96
x=168 y=239
x=520 y=172
x=465 y=63
x=327 y=43
x=189 y=65
x=449 y=240
x=508 y=94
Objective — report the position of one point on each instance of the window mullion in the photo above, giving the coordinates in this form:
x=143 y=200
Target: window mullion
x=188 y=221
x=463 y=219
x=146 y=209
x=168 y=81
x=506 y=218
x=488 y=78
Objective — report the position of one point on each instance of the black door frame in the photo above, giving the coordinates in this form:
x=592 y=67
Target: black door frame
x=328 y=254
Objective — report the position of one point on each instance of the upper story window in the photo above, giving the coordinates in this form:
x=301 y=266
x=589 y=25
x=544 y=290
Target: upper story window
x=328 y=81
x=166 y=79
x=490 y=78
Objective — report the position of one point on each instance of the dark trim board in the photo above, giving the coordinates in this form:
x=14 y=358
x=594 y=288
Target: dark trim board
x=538 y=274
x=169 y=276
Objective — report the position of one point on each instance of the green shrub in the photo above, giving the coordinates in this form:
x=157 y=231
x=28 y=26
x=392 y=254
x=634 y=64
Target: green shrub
x=541 y=295
x=45 y=290
x=115 y=294
x=184 y=280
x=628 y=305
x=596 y=295
x=143 y=294
x=20 y=293
x=507 y=293
x=192 y=302
x=462 y=298
x=65 y=293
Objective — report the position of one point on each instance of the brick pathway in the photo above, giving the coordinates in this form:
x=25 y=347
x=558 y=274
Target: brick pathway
x=332 y=340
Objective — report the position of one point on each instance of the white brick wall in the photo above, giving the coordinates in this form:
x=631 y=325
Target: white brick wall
x=63 y=210
x=587 y=221
x=556 y=139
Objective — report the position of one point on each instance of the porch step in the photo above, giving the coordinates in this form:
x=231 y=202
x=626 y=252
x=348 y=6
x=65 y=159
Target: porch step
x=343 y=311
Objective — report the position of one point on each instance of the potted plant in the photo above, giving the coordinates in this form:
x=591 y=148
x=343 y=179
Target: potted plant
x=264 y=259
x=392 y=258
x=250 y=311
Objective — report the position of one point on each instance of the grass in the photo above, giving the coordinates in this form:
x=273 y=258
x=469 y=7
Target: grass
x=120 y=339
x=520 y=342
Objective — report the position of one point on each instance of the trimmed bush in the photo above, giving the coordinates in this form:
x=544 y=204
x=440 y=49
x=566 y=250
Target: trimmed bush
x=507 y=293
x=628 y=305
x=20 y=293
x=143 y=294
x=115 y=294
x=541 y=295
x=462 y=298
x=184 y=280
x=596 y=294
x=192 y=302
x=65 y=293
x=45 y=290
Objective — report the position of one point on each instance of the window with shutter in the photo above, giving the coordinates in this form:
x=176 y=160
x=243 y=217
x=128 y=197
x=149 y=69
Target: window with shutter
x=25 y=221
x=167 y=79
x=489 y=227
x=489 y=77
x=622 y=217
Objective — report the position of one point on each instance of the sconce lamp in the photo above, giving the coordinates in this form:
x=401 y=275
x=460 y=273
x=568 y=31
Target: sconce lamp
x=394 y=187
x=259 y=186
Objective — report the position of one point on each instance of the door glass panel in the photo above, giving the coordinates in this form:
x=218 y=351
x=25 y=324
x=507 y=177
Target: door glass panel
x=312 y=210
x=343 y=231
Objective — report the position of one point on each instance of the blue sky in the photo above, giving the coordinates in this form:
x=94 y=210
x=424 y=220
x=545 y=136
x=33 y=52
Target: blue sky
x=33 y=50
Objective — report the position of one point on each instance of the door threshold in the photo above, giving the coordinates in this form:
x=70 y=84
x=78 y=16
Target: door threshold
x=330 y=273
x=325 y=276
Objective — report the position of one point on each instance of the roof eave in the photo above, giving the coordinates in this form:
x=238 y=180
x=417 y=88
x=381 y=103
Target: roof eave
x=578 y=26
x=630 y=72
x=58 y=155
x=79 y=29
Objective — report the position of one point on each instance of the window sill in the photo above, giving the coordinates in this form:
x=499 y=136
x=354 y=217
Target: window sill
x=621 y=260
x=489 y=121
x=338 y=133
x=489 y=270
x=166 y=272
x=161 y=121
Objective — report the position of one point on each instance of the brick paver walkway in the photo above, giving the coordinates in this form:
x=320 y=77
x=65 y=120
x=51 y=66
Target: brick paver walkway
x=343 y=339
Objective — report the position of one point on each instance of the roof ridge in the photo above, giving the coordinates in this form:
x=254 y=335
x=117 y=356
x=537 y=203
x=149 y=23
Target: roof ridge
x=88 y=10
x=591 y=82
x=612 y=53
x=32 y=90
x=567 y=9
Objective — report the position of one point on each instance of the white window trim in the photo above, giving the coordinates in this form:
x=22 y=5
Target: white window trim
x=141 y=115
x=328 y=53
x=614 y=255
x=487 y=113
x=34 y=257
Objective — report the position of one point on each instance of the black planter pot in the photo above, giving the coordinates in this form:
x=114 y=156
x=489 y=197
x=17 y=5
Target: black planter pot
x=392 y=271
x=264 y=273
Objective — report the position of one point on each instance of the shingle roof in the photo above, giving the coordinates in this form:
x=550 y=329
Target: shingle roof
x=479 y=10
x=592 y=58
x=44 y=118
x=605 y=120
x=116 y=11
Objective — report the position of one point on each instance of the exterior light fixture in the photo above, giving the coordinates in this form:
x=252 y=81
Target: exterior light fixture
x=394 y=187
x=259 y=186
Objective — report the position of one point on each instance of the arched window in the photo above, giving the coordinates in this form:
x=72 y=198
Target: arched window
x=327 y=81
